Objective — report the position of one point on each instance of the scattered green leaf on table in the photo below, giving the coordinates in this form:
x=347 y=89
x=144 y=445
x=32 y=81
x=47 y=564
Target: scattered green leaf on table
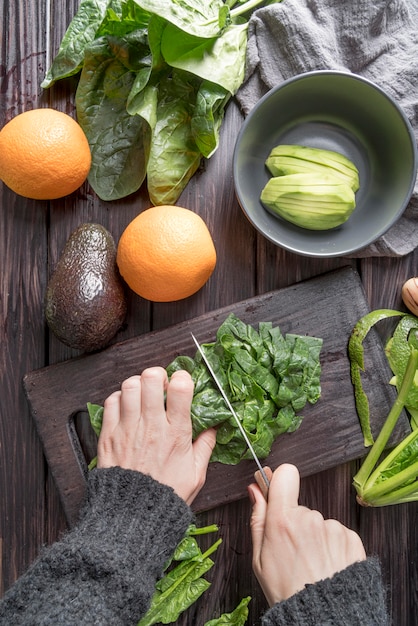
x=182 y=584
x=238 y=617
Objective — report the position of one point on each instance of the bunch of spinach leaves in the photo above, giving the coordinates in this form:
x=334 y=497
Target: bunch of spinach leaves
x=388 y=478
x=267 y=377
x=155 y=78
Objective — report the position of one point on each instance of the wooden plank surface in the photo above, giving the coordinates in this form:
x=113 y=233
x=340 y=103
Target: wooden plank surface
x=23 y=254
x=32 y=235
x=329 y=435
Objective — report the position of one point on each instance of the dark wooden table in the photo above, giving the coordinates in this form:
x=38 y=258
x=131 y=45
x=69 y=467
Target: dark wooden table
x=32 y=235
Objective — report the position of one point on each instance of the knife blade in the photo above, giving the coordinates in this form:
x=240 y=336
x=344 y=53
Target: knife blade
x=264 y=483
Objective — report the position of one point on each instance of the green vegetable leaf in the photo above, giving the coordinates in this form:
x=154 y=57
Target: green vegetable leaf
x=400 y=459
x=356 y=356
x=199 y=17
x=119 y=142
x=219 y=59
x=123 y=17
x=394 y=479
x=95 y=412
x=174 y=156
x=96 y=416
x=248 y=366
x=238 y=617
x=397 y=352
x=180 y=587
x=80 y=33
x=208 y=115
x=301 y=382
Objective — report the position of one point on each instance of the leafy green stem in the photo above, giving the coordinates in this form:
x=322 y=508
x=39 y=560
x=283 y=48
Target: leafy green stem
x=194 y=562
x=361 y=478
x=203 y=530
x=392 y=482
x=374 y=491
x=245 y=7
x=407 y=493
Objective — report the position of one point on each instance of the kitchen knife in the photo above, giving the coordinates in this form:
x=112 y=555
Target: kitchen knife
x=261 y=474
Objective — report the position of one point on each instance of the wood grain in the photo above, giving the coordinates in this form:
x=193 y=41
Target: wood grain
x=23 y=253
x=32 y=236
x=330 y=433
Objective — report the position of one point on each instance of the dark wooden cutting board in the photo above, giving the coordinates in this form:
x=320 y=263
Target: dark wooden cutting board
x=327 y=306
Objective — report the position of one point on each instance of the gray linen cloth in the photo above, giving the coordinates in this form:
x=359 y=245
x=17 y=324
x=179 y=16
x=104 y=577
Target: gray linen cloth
x=374 y=39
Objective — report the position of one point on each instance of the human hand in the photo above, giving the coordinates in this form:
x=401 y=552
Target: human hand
x=142 y=433
x=293 y=545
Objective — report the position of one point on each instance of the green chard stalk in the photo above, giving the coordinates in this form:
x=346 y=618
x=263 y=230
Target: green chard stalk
x=394 y=479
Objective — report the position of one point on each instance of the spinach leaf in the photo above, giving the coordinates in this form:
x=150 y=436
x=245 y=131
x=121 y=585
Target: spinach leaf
x=119 y=142
x=219 y=59
x=199 y=17
x=96 y=416
x=208 y=115
x=238 y=617
x=80 y=33
x=180 y=587
x=123 y=17
x=174 y=156
x=301 y=382
x=266 y=394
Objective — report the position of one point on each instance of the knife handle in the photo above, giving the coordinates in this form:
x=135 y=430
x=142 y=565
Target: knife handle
x=261 y=482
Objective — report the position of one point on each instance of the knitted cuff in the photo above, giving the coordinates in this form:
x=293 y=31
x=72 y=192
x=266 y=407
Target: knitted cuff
x=133 y=516
x=353 y=597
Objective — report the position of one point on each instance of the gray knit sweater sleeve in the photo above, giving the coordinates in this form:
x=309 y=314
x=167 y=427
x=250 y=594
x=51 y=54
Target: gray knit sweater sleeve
x=353 y=597
x=104 y=570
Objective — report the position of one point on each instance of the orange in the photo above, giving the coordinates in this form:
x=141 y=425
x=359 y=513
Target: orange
x=44 y=154
x=166 y=253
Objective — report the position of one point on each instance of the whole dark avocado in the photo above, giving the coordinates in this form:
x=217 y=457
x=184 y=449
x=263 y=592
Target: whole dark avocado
x=85 y=300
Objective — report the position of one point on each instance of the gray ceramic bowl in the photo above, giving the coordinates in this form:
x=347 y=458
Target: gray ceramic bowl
x=334 y=111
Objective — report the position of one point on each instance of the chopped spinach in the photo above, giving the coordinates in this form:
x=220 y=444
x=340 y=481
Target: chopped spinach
x=267 y=377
